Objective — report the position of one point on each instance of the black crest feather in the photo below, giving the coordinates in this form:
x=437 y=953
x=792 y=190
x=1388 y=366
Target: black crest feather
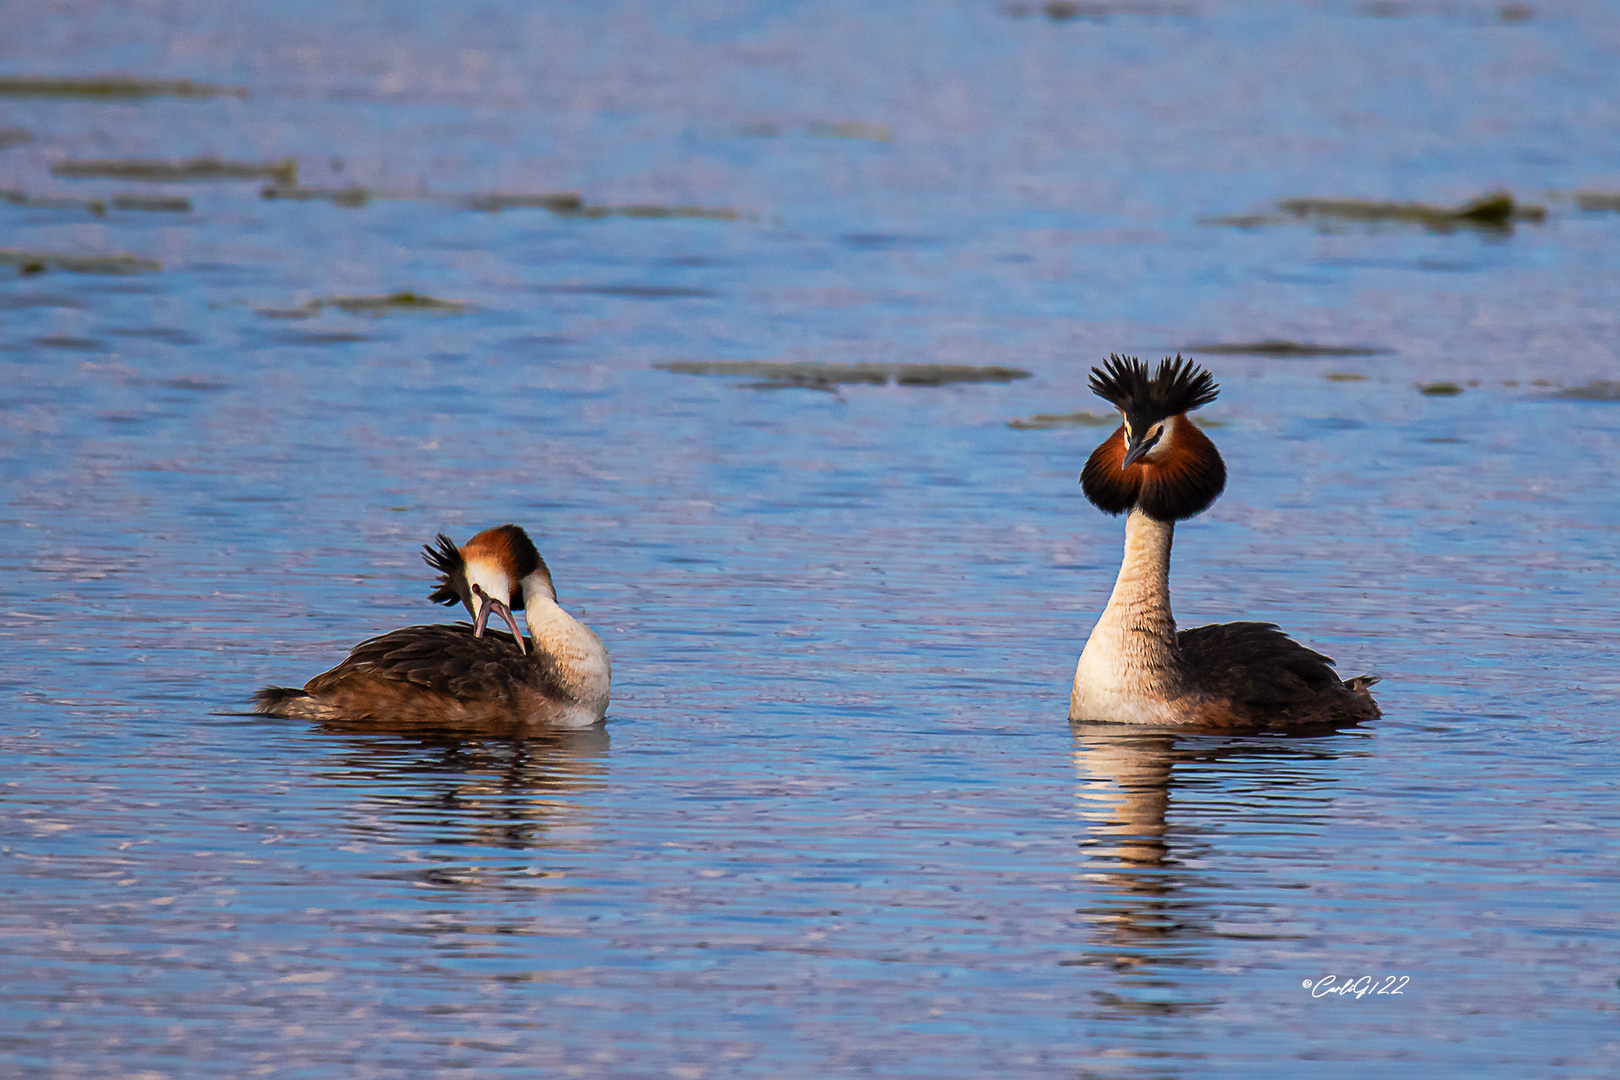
x=1178 y=386
x=446 y=559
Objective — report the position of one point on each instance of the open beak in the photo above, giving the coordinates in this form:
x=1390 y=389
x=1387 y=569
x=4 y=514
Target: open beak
x=487 y=604
x=1138 y=446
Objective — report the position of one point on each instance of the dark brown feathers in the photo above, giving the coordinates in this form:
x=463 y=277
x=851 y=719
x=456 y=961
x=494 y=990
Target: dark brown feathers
x=1178 y=386
x=444 y=657
x=273 y=700
x=1180 y=483
x=1111 y=489
x=1265 y=680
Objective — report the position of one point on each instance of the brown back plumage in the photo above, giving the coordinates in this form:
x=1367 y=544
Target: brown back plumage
x=438 y=675
x=1258 y=678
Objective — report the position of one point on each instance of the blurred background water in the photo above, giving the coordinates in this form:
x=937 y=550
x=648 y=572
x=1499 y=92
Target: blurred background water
x=837 y=823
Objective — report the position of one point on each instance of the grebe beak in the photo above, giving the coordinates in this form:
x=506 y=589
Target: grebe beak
x=1139 y=446
x=486 y=604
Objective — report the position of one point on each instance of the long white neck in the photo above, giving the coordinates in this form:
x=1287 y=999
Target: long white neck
x=579 y=659
x=1130 y=669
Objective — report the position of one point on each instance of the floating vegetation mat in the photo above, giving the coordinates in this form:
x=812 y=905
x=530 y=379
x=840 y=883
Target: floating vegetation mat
x=349 y=196
x=633 y=292
x=394 y=303
x=14 y=137
x=284 y=171
x=170 y=203
x=819 y=129
x=1048 y=421
x=1596 y=390
x=112 y=87
x=1497 y=210
x=37 y=262
x=783 y=375
x=848 y=129
x=1597 y=200
x=1069 y=10
x=559 y=203
x=1439 y=389
x=1284 y=348
x=1345 y=376
x=563 y=204
x=568 y=204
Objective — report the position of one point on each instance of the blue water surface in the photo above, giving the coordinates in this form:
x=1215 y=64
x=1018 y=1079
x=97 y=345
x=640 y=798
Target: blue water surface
x=837 y=822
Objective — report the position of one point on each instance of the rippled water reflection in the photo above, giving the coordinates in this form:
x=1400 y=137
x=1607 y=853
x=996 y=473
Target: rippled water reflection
x=837 y=822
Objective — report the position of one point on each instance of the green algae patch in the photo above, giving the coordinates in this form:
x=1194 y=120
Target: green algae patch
x=1283 y=347
x=15 y=137
x=1439 y=389
x=568 y=204
x=653 y=210
x=1345 y=376
x=1596 y=390
x=849 y=129
x=1597 y=200
x=1497 y=211
x=560 y=202
x=163 y=204
x=38 y=262
x=202 y=169
x=350 y=196
x=630 y=292
x=98 y=207
x=112 y=88
x=1049 y=421
x=1061 y=11
x=788 y=375
x=394 y=303
x=52 y=202
x=860 y=130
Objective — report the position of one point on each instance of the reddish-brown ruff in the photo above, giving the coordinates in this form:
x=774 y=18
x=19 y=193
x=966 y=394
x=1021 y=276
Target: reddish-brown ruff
x=507 y=546
x=1182 y=482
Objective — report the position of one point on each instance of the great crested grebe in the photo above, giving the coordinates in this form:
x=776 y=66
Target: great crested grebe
x=1136 y=668
x=458 y=676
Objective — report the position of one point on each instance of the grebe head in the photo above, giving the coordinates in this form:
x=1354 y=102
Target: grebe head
x=495 y=572
x=1157 y=461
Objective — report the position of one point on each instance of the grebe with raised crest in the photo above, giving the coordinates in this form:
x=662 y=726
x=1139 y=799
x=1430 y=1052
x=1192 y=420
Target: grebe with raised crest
x=1158 y=468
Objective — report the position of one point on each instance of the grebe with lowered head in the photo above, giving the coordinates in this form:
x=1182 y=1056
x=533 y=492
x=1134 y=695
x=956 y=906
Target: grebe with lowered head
x=456 y=675
x=1136 y=668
